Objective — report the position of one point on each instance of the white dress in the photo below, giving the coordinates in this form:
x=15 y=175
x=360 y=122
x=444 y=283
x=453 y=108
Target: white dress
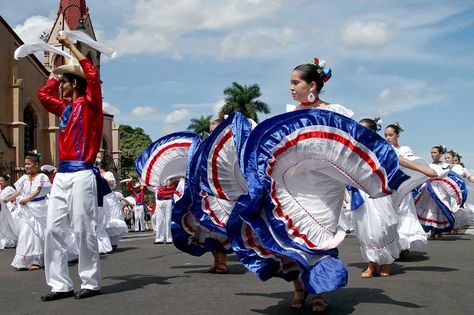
x=411 y=233
x=375 y=225
x=464 y=215
x=103 y=238
x=8 y=231
x=116 y=227
x=32 y=221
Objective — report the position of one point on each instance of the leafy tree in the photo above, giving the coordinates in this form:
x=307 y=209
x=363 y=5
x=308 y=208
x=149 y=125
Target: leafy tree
x=44 y=36
x=201 y=125
x=132 y=142
x=243 y=99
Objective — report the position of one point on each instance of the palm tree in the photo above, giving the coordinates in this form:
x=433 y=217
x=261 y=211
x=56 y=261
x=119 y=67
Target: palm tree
x=201 y=125
x=243 y=99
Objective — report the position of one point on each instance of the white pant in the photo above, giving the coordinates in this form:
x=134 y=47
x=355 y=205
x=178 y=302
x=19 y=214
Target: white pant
x=139 y=212
x=73 y=198
x=163 y=220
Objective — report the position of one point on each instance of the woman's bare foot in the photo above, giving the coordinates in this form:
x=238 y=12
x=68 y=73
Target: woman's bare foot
x=298 y=299
x=385 y=270
x=34 y=268
x=319 y=305
x=370 y=271
x=213 y=267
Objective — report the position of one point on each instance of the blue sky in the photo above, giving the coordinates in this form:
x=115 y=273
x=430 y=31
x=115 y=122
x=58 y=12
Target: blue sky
x=407 y=61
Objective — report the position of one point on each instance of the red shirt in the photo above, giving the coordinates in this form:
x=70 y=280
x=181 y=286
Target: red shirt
x=81 y=137
x=139 y=196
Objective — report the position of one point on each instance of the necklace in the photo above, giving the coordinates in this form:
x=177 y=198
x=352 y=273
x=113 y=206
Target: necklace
x=310 y=103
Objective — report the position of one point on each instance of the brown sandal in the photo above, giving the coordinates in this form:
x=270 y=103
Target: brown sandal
x=319 y=305
x=298 y=303
x=385 y=270
x=221 y=268
x=34 y=268
x=370 y=271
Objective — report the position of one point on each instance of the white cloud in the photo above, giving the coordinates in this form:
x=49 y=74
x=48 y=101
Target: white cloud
x=385 y=95
x=140 y=112
x=177 y=116
x=406 y=94
x=110 y=108
x=156 y=26
x=368 y=35
x=217 y=106
x=239 y=45
x=31 y=30
x=169 y=128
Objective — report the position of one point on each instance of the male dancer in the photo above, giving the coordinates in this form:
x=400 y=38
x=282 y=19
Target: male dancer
x=74 y=192
x=138 y=192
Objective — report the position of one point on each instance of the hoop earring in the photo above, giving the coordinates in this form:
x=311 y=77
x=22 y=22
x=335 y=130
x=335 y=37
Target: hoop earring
x=311 y=97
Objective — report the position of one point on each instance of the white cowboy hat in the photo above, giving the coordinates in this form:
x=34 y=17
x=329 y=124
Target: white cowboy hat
x=73 y=66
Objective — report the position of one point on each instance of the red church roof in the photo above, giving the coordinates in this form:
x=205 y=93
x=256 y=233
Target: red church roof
x=73 y=10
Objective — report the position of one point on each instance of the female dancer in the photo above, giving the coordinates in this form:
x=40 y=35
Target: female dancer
x=409 y=228
x=115 y=225
x=376 y=220
x=296 y=166
x=8 y=231
x=437 y=153
x=31 y=190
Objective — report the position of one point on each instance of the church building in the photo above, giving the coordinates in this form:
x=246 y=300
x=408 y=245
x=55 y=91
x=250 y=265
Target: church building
x=24 y=123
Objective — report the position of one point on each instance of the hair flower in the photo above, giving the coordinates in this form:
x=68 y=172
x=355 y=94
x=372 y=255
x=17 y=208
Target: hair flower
x=324 y=73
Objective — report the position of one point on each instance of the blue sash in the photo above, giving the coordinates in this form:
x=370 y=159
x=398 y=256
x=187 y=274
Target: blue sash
x=38 y=199
x=103 y=187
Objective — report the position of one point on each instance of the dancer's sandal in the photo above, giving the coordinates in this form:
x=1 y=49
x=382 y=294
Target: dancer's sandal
x=385 y=270
x=369 y=272
x=34 y=268
x=299 y=299
x=214 y=267
x=319 y=305
x=221 y=268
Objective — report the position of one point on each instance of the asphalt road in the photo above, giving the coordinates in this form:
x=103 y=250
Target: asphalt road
x=143 y=278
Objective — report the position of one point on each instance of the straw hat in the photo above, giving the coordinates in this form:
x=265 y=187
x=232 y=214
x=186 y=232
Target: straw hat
x=73 y=66
x=137 y=185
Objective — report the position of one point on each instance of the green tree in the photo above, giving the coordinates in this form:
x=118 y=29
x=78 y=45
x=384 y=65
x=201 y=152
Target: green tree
x=201 y=125
x=133 y=141
x=44 y=36
x=243 y=99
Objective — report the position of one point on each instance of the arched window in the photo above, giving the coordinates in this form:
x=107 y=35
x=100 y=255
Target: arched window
x=105 y=146
x=29 y=119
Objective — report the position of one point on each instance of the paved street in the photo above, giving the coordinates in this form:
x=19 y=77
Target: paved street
x=143 y=278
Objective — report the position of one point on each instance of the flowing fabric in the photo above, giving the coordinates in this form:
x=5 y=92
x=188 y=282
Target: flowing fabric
x=296 y=167
x=410 y=232
x=437 y=201
x=31 y=48
x=32 y=221
x=187 y=232
x=375 y=225
x=8 y=229
x=86 y=39
x=220 y=178
x=216 y=183
x=116 y=227
x=165 y=158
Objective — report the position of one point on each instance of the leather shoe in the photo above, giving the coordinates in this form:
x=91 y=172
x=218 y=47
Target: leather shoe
x=53 y=296
x=86 y=293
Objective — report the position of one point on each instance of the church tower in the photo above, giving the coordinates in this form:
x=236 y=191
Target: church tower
x=72 y=15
